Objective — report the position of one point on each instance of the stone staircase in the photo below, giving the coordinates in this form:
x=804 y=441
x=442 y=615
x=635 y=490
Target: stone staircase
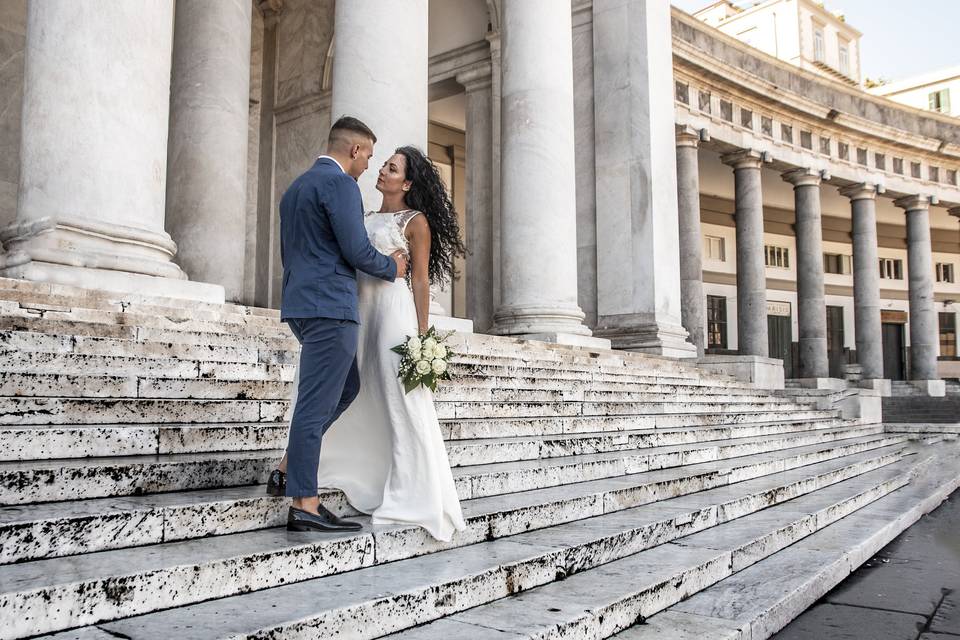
x=599 y=487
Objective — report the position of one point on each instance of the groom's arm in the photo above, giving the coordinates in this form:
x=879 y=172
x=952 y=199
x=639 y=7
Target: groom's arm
x=345 y=212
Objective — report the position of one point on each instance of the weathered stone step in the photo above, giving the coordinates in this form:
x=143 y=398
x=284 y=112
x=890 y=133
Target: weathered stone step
x=762 y=599
x=73 y=411
x=66 y=528
x=622 y=549
x=44 y=442
x=460 y=429
x=56 y=480
x=142 y=386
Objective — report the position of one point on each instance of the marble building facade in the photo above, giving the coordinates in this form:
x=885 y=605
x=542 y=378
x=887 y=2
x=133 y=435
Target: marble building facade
x=652 y=182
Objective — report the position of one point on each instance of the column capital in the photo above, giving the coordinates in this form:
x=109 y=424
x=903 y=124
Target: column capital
x=479 y=76
x=687 y=136
x=802 y=177
x=862 y=191
x=913 y=203
x=743 y=159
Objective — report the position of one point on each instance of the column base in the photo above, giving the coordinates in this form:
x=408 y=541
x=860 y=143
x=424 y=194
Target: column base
x=932 y=388
x=762 y=373
x=519 y=321
x=877 y=384
x=655 y=338
x=832 y=384
x=570 y=339
x=116 y=281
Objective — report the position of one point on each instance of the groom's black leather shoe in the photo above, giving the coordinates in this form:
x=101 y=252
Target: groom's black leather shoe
x=277 y=483
x=300 y=520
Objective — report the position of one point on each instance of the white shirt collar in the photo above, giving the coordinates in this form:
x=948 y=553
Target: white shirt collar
x=334 y=161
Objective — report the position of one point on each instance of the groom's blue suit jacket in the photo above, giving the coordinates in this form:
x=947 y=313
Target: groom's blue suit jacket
x=322 y=244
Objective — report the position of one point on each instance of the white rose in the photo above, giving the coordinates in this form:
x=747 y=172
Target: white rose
x=414 y=353
x=423 y=367
x=428 y=352
x=414 y=344
x=439 y=366
x=429 y=343
x=440 y=351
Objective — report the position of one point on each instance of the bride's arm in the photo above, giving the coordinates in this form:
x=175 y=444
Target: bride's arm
x=418 y=236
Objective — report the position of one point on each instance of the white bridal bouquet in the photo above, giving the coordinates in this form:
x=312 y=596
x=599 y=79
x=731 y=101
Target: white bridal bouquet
x=424 y=360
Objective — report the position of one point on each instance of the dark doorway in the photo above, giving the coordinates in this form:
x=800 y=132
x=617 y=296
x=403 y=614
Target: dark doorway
x=835 y=354
x=780 y=342
x=892 y=351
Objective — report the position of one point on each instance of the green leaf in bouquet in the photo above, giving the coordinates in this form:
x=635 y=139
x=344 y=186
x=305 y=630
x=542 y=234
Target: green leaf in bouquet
x=410 y=383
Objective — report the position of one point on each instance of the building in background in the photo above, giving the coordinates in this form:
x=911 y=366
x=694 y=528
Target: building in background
x=937 y=91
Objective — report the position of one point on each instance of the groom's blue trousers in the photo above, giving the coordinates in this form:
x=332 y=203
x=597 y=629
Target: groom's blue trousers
x=329 y=382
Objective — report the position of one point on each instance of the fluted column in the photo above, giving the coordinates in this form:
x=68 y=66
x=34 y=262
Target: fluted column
x=207 y=153
x=692 y=300
x=811 y=305
x=924 y=331
x=479 y=214
x=751 y=268
x=94 y=150
x=538 y=217
x=866 y=279
x=380 y=76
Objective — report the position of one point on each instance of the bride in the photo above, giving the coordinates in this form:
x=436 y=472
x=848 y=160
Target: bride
x=386 y=452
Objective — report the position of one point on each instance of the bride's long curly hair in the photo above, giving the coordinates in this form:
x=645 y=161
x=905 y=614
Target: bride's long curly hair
x=428 y=196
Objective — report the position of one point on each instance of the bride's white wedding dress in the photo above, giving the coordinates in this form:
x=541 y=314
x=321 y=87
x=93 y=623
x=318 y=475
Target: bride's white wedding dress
x=386 y=452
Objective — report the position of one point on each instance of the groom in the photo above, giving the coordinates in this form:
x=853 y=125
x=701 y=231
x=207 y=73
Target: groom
x=322 y=244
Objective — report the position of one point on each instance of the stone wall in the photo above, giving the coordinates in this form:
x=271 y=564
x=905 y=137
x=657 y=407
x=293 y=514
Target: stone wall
x=13 y=28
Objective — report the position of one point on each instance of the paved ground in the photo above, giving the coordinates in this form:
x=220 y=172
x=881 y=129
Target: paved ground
x=908 y=591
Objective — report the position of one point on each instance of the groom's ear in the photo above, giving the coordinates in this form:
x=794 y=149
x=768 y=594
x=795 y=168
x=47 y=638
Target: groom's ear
x=354 y=151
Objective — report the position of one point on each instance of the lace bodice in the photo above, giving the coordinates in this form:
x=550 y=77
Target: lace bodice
x=385 y=230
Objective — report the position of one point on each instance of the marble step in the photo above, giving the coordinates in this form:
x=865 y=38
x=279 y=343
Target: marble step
x=80 y=478
x=472 y=428
x=44 y=442
x=88 y=386
x=764 y=598
x=578 y=561
x=67 y=528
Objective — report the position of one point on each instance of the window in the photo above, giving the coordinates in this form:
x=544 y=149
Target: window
x=934 y=174
x=806 y=140
x=843 y=150
x=837 y=263
x=914 y=169
x=766 y=126
x=880 y=161
x=818 y=49
x=891 y=269
x=939 y=101
x=948 y=335
x=683 y=92
x=716 y=322
x=778 y=257
x=945 y=272
x=726 y=110
x=703 y=101
x=898 y=166
x=862 y=156
x=952 y=177
x=746 y=118
x=844 y=49
x=786 y=133
x=714 y=247
x=825 y=146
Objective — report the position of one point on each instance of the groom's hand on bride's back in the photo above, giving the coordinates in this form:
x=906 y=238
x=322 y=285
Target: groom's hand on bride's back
x=401 y=259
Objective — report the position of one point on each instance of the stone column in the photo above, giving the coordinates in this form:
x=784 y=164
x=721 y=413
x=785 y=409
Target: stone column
x=538 y=217
x=692 y=299
x=207 y=152
x=638 y=261
x=479 y=213
x=380 y=76
x=811 y=306
x=866 y=281
x=94 y=150
x=924 y=331
x=751 y=268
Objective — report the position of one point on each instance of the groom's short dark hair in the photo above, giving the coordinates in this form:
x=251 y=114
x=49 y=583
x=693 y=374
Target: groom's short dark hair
x=349 y=124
